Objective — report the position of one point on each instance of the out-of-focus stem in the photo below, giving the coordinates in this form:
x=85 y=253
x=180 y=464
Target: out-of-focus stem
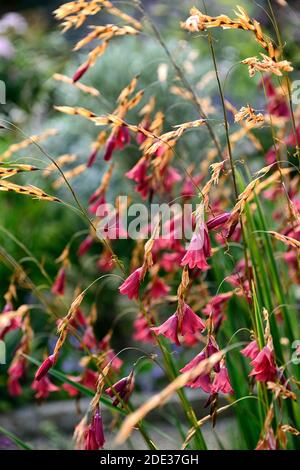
x=180 y=74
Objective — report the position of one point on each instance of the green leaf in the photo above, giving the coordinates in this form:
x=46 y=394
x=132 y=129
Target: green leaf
x=15 y=439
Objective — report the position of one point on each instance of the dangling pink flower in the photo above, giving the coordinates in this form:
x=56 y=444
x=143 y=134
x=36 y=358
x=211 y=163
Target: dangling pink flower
x=9 y=325
x=45 y=367
x=190 y=322
x=184 y=322
x=93 y=207
x=85 y=246
x=203 y=380
x=123 y=137
x=88 y=379
x=58 y=287
x=111 y=358
x=221 y=381
x=215 y=308
x=80 y=72
x=169 y=329
x=15 y=372
x=77 y=320
x=170 y=261
x=8 y=307
x=94 y=439
x=158 y=289
x=212 y=348
x=110 y=147
x=118 y=139
x=142 y=331
x=43 y=388
x=276 y=102
x=92 y=158
x=139 y=171
x=105 y=263
x=140 y=137
x=171 y=177
x=130 y=286
x=199 y=249
x=123 y=388
x=218 y=221
x=264 y=368
x=89 y=339
x=251 y=350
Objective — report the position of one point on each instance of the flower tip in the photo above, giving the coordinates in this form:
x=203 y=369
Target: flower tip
x=45 y=367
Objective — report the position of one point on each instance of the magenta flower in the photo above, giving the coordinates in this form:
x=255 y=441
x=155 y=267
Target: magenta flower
x=170 y=261
x=45 y=367
x=92 y=158
x=169 y=329
x=85 y=246
x=171 y=177
x=264 y=368
x=184 y=323
x=221 y=381
x=159 y=289
x=218 y=221
x=142 y=331
x=117 y=140
x=215 y=308
x=80 y=72
x=95 y=439
x=203 y=380
x=43 y=388
x=251 y=350
x=139 y=171
x=58 y=287
x=10 y=325
x=199 y=249
x=15 y=372
x=130 y=286
x=110 y=147
x=190 y=322
x=121 y=390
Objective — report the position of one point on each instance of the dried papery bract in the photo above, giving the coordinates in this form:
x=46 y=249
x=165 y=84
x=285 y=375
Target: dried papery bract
x=267 y=64
x=199 y=22
x=248 y=114
x=74 y=14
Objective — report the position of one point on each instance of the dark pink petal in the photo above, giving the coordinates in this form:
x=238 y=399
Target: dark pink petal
x=169 y=329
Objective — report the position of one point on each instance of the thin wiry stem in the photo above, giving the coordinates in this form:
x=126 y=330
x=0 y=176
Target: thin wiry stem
x=180 y=74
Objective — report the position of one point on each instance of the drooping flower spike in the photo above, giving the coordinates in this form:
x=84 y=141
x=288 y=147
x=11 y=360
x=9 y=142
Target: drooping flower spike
x=131 y=285
x=199 y=248
x=58 y=287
